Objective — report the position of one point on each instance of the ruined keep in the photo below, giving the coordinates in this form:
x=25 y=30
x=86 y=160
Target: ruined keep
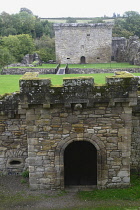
x=126 y=50
x=83 y=43
x=77 y=133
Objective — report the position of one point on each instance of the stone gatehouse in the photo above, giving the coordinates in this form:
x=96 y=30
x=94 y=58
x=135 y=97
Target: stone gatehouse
x=83 y=43
x=78 y=133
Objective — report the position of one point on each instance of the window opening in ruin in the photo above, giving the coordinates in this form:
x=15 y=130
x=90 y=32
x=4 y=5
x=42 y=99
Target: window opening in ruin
x=88 y=34
x=15 y=162
x=68 y=58
x=80 y=164
x=98 y=58
x=83 y=60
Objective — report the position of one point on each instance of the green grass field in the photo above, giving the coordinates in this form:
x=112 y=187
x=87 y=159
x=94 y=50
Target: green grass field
x=93 y=66
x=10 y=83
x=103 y=66
x=132 y=193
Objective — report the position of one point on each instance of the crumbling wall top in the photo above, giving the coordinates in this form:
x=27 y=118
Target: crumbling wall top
x=57 y=26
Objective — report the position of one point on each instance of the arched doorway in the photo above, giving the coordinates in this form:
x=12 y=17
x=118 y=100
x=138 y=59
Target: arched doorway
x=83 y=60
x=80 y=164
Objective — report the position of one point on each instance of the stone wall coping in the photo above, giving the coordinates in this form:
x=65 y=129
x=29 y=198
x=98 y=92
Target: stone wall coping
x=93 y=25
x=83 y=80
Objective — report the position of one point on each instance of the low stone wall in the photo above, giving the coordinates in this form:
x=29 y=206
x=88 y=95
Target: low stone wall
x=13 y=71
x=94 y=71
x=18 y=71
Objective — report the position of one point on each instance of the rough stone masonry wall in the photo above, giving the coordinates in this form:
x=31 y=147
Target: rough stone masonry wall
x=24 y=70
x=18 y=71
x=13 y=138
x=79 y=111
x=135 y=143
x=92 y=41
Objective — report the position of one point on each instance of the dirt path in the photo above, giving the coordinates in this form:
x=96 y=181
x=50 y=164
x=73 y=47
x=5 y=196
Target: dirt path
x=16 y=195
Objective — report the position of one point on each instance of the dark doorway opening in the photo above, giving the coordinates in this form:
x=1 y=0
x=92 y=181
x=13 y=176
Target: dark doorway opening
x=83 y=60
x=80 y=164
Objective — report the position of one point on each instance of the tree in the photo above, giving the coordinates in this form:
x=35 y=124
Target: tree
x=97 y=20
x=38 y=29
x=128 y=26
x=119 y=30
x=132 y=21
x=27 y=23
x=114 y=15
x=24 y=9
x=5 y=57
x=71 y=20
x=18 y=45
x=45 y=47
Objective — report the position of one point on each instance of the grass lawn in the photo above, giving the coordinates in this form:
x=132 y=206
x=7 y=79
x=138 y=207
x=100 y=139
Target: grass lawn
x=132 y=193
x=10 y=83
x=48 y=66
x=93 y=66
x=104 y=66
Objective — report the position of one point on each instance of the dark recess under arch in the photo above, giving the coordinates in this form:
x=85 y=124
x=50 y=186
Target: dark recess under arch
x=80 y=164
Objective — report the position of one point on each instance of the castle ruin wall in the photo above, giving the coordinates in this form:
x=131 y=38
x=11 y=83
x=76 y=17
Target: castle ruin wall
x=83 y=43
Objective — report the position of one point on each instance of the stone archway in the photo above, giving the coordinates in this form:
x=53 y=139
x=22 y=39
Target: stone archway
x=80 y=164
x=82 y=60
x=102 y=170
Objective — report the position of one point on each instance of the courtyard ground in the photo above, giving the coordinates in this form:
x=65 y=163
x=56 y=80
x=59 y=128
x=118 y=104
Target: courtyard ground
x=15 y=194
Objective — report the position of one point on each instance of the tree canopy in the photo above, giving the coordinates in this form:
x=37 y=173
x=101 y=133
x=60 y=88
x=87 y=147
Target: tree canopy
x=128 y=25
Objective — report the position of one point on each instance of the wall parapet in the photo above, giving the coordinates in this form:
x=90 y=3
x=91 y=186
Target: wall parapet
x=118 y=88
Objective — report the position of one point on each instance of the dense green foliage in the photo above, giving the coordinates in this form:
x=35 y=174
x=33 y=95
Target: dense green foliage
x=45 y=47
x=24 y=33
x=18 y=45
x=128 y=25
x=24 y=22
x=5 y=57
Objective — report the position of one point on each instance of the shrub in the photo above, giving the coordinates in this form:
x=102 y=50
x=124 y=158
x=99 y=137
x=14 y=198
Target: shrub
x=25 y=174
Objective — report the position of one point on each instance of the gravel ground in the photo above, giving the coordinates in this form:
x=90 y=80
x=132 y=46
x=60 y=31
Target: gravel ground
x=16 y=195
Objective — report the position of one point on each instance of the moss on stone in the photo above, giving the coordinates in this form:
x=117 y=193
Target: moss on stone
x=81 y=77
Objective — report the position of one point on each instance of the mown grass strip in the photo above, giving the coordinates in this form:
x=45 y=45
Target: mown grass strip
x=92 y=66
x=104 y=66
x=132 y=193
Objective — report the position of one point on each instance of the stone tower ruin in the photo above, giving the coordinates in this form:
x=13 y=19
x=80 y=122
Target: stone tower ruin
x=83 y=43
